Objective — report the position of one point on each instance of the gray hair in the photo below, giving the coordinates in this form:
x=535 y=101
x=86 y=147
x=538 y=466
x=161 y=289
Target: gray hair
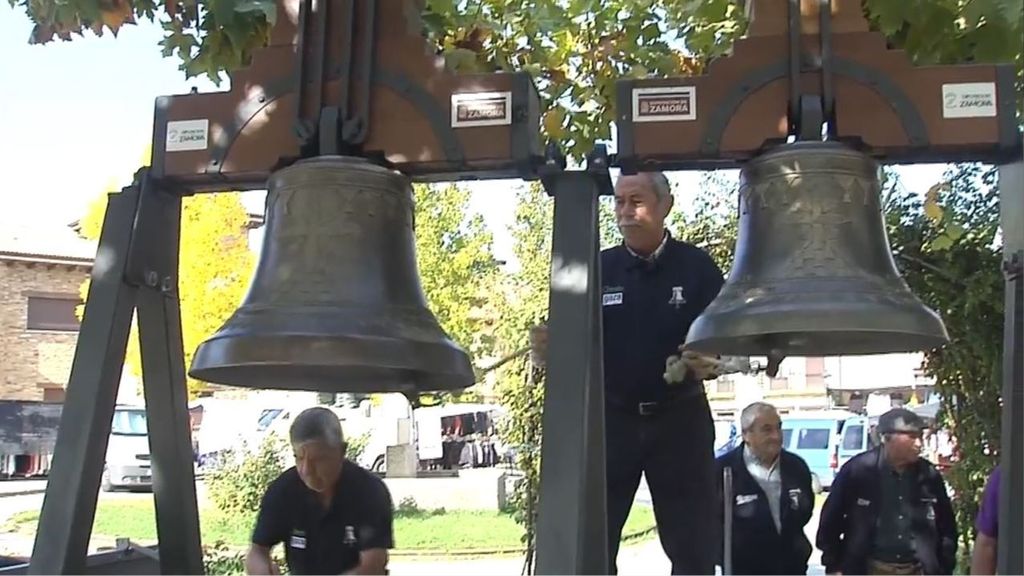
x=659 y=184
x=662 y=189
x=317 y=424
x=754 y=411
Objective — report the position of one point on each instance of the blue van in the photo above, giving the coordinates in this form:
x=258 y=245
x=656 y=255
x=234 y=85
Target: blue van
x=826 y=440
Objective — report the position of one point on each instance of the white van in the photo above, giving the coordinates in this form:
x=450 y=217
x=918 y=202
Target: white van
x=127 y=462
x=826 y=440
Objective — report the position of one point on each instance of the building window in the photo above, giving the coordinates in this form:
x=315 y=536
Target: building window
x=724 y=385
x=779 y=383
x=53 y=313
x=53 y=394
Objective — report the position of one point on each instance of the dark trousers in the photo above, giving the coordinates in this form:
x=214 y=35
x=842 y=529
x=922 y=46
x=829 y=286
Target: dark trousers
x=675 y=448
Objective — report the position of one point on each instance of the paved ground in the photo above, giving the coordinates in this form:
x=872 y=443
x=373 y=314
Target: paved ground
x=642 y=558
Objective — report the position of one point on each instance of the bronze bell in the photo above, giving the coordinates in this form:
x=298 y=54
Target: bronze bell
x=336 y=303
x=813 y=273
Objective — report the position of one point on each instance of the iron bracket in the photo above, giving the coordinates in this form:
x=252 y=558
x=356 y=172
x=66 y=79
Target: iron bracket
x=338 y=128
x=810 y=115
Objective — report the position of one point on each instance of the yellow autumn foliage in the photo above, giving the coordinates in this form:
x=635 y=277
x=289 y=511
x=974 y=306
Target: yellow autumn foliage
x=215 y=268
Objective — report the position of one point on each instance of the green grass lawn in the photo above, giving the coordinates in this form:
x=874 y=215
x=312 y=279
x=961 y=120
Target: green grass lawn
x=435 y=531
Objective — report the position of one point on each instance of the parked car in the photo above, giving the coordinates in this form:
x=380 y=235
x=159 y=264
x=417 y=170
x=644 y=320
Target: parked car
x=826 y=440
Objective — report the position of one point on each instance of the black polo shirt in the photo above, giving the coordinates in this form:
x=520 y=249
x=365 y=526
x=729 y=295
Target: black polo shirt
x=648 y=308
x=325 y=541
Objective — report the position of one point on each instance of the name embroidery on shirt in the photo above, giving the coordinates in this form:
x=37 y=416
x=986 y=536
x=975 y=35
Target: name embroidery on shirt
x=298 y=540
x=612 y=299
x=677 y=298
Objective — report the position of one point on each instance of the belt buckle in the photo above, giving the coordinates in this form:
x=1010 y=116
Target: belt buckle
x=647 y=408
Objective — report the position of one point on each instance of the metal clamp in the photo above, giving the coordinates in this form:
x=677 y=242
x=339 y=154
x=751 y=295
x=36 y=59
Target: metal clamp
x=342 y=126
x=811 y=114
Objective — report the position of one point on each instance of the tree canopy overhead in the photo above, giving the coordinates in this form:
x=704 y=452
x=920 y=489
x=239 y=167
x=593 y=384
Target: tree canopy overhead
x=574 y=49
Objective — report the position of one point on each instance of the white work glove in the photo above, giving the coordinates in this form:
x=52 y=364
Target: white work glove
x=704 y=367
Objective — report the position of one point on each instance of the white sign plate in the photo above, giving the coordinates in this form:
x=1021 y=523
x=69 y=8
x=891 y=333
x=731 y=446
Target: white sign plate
x=664 y=103
x=184 y=135
x=481 y=109
x=969 y=100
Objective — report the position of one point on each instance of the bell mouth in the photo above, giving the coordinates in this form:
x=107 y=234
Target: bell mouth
x=332 y=364
x=817 y=342
x=828 y=327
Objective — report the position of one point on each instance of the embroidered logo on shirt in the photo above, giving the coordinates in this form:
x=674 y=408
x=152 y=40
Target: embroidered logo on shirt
x=677 y=298
x=794 y=498
x=350 y=535
x=742 y=499
x=298 y=540
x=930 y=505
x=863 y=502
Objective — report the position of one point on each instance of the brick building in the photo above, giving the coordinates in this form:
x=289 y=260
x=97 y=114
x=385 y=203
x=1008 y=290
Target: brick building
x=41 y=271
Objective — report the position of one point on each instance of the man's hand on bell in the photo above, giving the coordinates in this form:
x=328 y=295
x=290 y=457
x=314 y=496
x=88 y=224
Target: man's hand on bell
x=700 y=366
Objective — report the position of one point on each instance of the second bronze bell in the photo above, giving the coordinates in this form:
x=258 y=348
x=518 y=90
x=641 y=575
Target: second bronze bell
x=813 y=273
x=336 y=303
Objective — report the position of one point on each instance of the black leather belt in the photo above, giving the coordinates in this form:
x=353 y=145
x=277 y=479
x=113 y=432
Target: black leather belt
x=652 y=408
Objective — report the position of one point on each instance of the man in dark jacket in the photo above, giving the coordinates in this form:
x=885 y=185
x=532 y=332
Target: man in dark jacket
x=772 y=499
x=888 y=511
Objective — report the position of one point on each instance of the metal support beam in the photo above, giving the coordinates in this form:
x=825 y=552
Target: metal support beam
x=154 y=267
x=1010 y=558
x=136 y=265
x=572 y=534
x=69 y=506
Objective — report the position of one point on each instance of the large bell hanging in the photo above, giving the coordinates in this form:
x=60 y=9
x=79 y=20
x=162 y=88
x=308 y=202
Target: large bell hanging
x=813 y=273
x=336 y=303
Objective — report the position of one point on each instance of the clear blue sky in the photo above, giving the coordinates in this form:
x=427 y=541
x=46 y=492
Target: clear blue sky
x=75 y=118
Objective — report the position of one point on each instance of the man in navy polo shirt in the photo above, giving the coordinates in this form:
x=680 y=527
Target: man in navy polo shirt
x=654 y=287
x=657 y=418
x=332 y=516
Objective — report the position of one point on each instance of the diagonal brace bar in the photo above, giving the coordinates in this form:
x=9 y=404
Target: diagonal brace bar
x=69 y=506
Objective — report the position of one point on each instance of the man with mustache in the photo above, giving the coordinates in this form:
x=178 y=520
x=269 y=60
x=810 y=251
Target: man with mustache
x=657 y=418
x=772 y=499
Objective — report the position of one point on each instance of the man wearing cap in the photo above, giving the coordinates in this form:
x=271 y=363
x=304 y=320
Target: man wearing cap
x=888 y=511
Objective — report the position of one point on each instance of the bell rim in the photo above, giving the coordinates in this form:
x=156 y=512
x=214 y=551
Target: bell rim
x=218 y=359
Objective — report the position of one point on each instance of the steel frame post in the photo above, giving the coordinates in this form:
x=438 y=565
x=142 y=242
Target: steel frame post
x=1010 y=555
x=135 y=268
x=154 y=267
x=572 y=534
